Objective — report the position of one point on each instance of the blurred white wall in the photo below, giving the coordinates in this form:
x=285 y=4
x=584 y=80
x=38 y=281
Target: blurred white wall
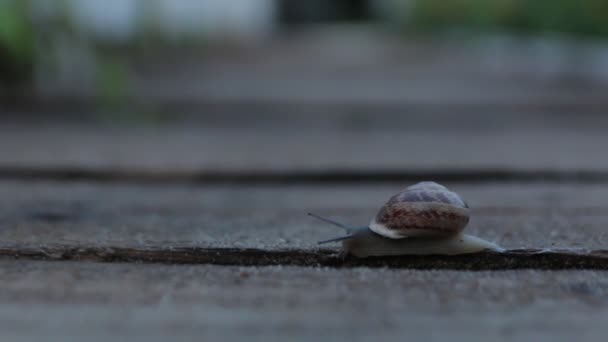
x=248 y=18
x=119 y=19
x=108 y=19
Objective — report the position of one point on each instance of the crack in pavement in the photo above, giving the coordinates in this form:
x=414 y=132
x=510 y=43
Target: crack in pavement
x=334 y=176
x=540 y=259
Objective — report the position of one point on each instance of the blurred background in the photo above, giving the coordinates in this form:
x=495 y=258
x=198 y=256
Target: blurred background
x=154 y=124
x=287 y=85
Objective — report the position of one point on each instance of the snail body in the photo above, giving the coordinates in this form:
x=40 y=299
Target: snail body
x=367 y=244
x=425 y=218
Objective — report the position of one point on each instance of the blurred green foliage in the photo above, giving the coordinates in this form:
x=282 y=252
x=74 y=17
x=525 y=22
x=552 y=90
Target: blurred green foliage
x=111 y=82
x=114 y=101
x=16 y=42
x=584 y=17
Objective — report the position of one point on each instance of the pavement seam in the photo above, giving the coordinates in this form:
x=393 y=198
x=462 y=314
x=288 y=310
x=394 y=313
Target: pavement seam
x=563 y=259
x=335 y=176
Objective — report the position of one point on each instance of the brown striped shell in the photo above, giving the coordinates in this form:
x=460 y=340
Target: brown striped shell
x=425 y=209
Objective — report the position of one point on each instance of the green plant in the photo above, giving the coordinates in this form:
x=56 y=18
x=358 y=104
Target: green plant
x=584 y=17
x=16 y=42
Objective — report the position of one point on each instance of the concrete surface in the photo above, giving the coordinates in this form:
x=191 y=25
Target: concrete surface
x=306 y=106
x=96 y=302
x=346 y=65
x=300 y=143
x=270 y=217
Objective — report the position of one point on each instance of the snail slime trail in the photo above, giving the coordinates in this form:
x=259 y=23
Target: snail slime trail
x=423 y=219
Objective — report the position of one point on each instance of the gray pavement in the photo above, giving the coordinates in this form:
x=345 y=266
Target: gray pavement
x=361 y=67
x=307 y=107
x=96 y=302
x=288 y=143
x=274 y=217
x=150 y=302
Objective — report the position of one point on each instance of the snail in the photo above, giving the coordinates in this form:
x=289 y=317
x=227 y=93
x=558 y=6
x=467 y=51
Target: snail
x=425 y=218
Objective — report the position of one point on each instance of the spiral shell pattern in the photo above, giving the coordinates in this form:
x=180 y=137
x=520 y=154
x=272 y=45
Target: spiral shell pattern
x=425 y=209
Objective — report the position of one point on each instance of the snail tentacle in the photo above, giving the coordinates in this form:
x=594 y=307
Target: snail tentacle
x=336 y=239
x=346 y=228
x=354 y=232
x=351 y=231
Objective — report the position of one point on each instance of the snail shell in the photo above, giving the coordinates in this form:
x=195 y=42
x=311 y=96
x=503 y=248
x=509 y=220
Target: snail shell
x=425 y=218
x=426 y=209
